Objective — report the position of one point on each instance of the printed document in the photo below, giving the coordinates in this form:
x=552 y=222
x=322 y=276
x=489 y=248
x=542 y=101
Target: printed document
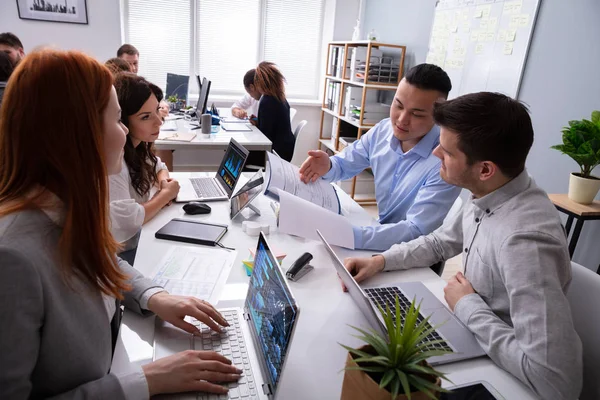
x=283 y=176
x=198 y=272
x=302 y=218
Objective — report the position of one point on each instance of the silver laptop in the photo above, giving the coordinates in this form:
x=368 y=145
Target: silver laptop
x=456 y=336
x=219 y=187
x=258 y=338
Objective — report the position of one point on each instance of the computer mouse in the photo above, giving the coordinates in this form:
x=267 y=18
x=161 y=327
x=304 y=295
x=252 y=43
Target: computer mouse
x=195 y=207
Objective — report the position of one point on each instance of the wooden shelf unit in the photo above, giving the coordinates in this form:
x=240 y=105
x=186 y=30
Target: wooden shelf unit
x=324 y=140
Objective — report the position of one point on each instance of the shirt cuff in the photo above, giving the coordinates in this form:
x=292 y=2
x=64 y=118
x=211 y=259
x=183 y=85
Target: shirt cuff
x=330 y=174
x=358 y=237
x=147 y=294
x=467 y=305
x=135 y=385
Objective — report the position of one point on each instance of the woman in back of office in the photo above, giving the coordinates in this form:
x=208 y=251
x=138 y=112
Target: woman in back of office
x=133 y=202
x=59 y=277
x=274 y=110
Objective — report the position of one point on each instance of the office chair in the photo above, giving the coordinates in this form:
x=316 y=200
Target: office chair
x=292 y=114
x=584 y=297
x=299 y=128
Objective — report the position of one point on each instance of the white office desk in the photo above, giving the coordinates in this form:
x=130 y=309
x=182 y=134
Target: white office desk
x=313 y=368
x=253 y=140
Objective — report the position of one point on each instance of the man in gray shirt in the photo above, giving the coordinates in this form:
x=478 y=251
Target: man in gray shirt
x=515 y=257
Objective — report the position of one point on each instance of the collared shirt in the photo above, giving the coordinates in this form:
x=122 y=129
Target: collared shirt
x=248 y=103
x=412 y=197
x=515 y=255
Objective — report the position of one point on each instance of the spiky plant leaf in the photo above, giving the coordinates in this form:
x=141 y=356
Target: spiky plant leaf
x=398 y=359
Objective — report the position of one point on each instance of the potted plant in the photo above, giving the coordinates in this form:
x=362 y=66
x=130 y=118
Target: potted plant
x=581 y=142
x=393 y=366
x=175 y=103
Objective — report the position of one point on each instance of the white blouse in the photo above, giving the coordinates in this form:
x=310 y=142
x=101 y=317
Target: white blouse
x=126 y=210
x=248 y=103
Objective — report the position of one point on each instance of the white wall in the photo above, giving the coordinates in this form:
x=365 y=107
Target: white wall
x=404 y=22
x=100 y=38
x=561 y=84
x=560 y=81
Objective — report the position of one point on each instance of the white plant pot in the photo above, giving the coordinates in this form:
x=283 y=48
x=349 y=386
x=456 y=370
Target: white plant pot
x=583 y=190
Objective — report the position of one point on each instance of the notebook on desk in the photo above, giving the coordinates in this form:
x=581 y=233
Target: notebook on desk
x=177 y=136
x=258 y=337
x=234 y=126
x=219 y=187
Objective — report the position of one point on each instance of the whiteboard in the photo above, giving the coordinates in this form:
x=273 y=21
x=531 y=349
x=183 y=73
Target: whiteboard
x=482 y=44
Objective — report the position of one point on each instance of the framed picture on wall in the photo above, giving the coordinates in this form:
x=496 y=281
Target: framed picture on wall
x=69 y=11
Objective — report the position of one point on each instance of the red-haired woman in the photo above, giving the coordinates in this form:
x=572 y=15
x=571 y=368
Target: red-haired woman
x=274 y=110
x=59 y=277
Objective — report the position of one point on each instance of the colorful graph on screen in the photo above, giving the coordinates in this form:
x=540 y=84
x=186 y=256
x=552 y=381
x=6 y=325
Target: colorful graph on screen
x=232 y=166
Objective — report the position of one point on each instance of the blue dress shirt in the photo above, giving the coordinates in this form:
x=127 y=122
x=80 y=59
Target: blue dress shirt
x=413 y=199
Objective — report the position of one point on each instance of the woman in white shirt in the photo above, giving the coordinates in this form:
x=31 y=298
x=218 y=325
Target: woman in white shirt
x=143 y=186
x=247 y=106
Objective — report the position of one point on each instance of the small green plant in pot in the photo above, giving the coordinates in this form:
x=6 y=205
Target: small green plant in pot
x=581 y=142
x=393 y=366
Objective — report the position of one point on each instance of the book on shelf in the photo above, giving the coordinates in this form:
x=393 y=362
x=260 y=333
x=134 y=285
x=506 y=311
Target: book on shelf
x=283 y=176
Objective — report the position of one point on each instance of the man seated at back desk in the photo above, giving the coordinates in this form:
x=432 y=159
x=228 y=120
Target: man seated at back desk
x=412 y=198
x=515 y=256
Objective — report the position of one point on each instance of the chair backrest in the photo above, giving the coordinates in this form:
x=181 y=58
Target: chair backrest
x=584 y=298
x=292 y=114
x=299 y=128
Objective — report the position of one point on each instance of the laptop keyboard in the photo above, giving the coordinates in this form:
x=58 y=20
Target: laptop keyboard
x=232 y=345
x=385 y=296
x=205 y=188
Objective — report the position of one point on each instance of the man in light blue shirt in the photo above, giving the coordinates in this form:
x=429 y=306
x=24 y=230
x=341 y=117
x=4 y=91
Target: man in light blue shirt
x=412 y=197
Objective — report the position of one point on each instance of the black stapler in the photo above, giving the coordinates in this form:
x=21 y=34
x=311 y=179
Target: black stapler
x=300 y=267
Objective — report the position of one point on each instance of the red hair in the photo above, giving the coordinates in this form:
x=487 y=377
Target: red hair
x=51 y=137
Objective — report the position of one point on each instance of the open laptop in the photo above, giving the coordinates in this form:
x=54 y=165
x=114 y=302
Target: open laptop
x=258 y=338
x=457 y=337
x=219 y=187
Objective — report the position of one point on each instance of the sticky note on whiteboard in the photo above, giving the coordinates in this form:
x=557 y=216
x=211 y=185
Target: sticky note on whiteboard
x=479 y=48
x=511 y=35
x=508 y=49
x=502 y=35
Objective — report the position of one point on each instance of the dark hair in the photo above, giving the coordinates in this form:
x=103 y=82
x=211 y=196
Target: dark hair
x=249 y=78
x=133 y=91
x=116 y=65
x=429 y=77
x=10 y=39
x=6 y=67
x=269 y=80
x=490 y=127
x=127 y=49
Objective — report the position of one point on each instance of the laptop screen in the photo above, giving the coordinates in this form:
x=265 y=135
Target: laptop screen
x=273 y=312
x=232 y=164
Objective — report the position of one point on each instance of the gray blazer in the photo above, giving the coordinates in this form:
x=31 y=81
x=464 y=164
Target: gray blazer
x=55 y=340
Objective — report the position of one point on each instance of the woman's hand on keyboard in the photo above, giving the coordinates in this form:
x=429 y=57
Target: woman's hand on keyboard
x=190 y=371
x=174 y=309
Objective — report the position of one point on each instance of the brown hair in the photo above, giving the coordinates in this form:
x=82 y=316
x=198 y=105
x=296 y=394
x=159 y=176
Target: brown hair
x=10 y=39
x=269 y=80
x=490 y=127
x=127 y=49
x=133 y=91
x=64 y=121
x=116 y=65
